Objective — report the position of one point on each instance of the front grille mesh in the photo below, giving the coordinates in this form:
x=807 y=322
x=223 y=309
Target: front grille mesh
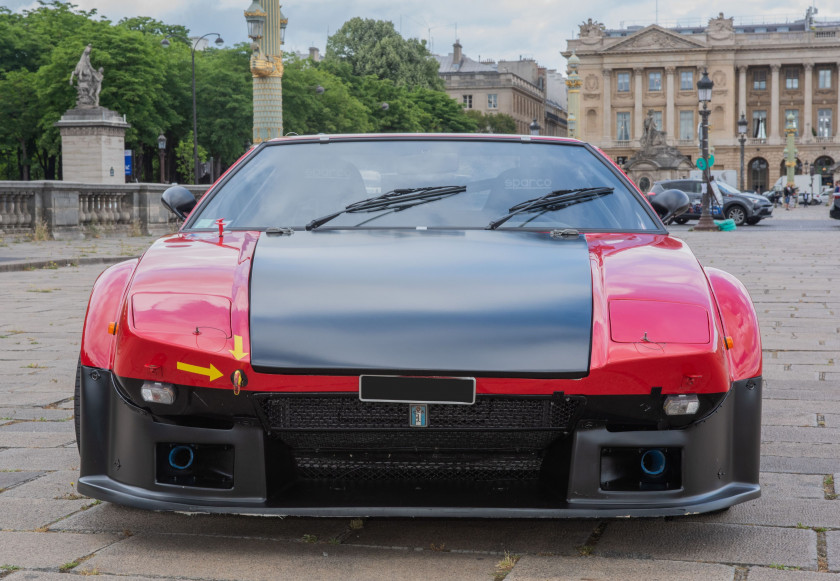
x=347 y=412
x=432 y=468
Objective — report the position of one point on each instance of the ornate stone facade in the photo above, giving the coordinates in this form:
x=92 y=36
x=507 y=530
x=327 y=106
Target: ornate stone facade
x=763 y=71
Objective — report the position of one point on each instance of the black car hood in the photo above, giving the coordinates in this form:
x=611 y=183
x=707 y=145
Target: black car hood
x=475 y=303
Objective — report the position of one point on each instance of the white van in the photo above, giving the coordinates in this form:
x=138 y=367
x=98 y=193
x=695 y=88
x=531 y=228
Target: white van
x=811 y=185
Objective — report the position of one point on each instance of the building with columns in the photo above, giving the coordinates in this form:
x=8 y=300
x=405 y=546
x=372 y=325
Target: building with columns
x=765 y=71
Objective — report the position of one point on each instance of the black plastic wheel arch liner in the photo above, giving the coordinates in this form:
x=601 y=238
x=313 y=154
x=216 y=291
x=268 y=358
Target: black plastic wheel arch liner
x=720 y=467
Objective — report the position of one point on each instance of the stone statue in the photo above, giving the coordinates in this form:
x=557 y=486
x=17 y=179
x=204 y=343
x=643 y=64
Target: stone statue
x=591 y=29
x=651 y=137
x=89 y=81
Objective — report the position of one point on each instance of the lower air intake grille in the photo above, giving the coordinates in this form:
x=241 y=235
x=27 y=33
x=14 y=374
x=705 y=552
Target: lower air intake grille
x=330 y=412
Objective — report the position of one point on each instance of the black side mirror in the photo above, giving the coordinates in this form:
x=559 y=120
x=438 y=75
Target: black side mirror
x=670 y=204
x=178 y=200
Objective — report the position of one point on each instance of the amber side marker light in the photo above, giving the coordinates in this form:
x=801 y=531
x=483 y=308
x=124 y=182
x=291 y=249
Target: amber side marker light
x=112 y=328
x=729 y=342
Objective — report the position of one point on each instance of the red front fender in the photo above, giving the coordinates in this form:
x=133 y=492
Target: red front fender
x=104 y=306
x=739 y=322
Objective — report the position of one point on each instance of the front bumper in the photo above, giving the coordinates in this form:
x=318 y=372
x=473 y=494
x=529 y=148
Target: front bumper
x=716 y=464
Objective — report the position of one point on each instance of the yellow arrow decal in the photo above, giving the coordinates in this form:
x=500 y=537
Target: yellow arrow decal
x=237 y=348
x=210 y=372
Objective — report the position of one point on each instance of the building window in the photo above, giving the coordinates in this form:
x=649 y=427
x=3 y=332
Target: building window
x=759 y=124
x=623 y=82
x=687 y=127
x=824 y=123
x=655 y=81
x=791 y=79
x=760 y=80
x=824 y=78
x=622 y=126
x=467 y=99
x=686 y=81
x=492 y=101
x=795 y=113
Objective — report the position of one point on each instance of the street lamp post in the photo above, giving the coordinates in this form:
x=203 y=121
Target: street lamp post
x=704 y=95
x=219 y=42
x=161 y=153
x=742 y=138
x=535 y=127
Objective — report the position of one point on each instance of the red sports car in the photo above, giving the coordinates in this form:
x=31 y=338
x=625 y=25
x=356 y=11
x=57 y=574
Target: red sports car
x=424 y=325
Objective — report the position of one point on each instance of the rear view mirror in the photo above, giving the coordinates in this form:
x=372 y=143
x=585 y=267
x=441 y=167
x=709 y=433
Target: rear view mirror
x=670 y=204
x=178 y=200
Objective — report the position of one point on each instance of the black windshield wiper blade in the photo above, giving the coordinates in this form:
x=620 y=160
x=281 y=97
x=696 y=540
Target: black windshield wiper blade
x=552 y=200
x=396 y=200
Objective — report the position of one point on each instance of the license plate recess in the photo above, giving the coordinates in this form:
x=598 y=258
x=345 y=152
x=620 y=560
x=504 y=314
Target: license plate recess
x=409 y=389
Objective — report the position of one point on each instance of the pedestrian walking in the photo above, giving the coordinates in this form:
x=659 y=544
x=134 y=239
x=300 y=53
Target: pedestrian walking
x=787 y=192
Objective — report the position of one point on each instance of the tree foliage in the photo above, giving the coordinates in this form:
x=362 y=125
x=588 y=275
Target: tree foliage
x=492 y=122
x=374 y=47
x=371 y=80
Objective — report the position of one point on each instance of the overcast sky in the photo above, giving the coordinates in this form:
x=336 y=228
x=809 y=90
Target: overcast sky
x=494 y=29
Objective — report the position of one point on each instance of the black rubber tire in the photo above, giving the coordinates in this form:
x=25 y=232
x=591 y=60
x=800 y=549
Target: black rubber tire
x=753 y=221
x=77 y=403
x=737 y=214
x=681 y=220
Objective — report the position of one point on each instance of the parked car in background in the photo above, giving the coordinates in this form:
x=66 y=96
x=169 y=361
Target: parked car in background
x=420 y=325
x=728 y=202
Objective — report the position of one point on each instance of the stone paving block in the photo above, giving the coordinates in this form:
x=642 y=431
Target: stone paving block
x=801 y=406
x=767 y=574
x=82 y=569
x=257 y=559
x=28 y=514
x=62 y=427
x=778 y=512
x=10 y=479
x=799 y=465
x=48 y=550
x=832 y=539
x=530 y=568
x=779 y=486
x=681 y=540
x=561 y=537
x=39 y=459
x=32 y=413
x=34 y=440
x=51 y=486
x=787 y=418
x=108 y=517
x=791 y=434
x=799 y=450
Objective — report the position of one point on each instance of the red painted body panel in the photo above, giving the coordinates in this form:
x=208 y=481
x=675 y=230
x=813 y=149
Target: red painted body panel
x=104 y=306
x=739 y=322
x=623 y=267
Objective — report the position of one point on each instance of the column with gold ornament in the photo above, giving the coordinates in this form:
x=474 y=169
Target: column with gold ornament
x=267 y=28
x=573 y=84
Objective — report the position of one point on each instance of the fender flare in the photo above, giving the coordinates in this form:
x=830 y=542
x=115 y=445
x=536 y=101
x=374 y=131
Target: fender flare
x=740 y=322
x=106 y=300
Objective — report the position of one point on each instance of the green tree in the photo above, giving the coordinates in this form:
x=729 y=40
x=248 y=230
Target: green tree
x=492 y=122
x=374 y=47
x=184 y=160
x=19 y=120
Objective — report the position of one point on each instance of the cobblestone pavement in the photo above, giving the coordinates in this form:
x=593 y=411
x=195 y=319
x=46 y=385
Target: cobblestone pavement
x=49 y=532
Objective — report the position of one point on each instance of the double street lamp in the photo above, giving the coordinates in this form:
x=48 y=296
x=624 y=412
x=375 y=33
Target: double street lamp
x=165 y=44
x=704 y=95
x=742 y=138
x=161 y=153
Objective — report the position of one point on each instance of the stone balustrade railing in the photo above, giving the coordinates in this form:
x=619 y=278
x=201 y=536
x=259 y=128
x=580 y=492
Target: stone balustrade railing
x=63 y=210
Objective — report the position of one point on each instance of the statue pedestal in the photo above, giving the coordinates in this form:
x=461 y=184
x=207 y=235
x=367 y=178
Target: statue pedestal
x=93 y=145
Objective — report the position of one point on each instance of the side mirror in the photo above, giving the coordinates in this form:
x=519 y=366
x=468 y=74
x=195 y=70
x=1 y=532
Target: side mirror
x=670 y=204
x=178 y=200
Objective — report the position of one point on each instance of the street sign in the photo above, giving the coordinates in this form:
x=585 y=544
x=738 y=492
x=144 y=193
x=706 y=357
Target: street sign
x=711 y=159
x=128 y=162
x=701 y=163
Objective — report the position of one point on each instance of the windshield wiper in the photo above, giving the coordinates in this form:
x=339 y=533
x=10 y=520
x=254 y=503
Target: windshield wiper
x=396 y=200
x=555 y=200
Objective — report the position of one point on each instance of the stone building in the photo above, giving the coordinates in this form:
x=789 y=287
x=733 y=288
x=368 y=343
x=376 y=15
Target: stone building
x=764 y=71
x=521 y=89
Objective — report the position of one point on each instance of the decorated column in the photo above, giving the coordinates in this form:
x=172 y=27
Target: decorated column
x=573 y=84
x=267 y=27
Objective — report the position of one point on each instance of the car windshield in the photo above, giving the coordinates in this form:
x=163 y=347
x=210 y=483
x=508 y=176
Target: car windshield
x=470 y=183
x=726 y=188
